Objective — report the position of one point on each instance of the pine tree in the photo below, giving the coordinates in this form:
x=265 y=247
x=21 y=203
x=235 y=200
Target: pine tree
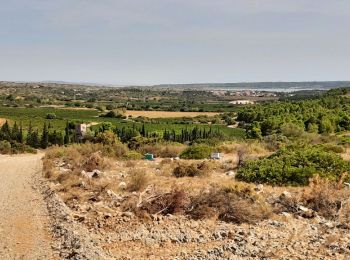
x=29 y=135
x=143 y=130
x=20 y=136
x=45 y=137
x=6 y=131
x=35 y=139
x=15 y=132
x=66 y=134
x=60 y=140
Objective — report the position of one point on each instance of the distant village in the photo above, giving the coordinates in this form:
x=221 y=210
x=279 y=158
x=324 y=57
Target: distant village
x=243 y=93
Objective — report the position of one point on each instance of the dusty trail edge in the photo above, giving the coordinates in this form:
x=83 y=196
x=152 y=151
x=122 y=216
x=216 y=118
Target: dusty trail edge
x=35 y=222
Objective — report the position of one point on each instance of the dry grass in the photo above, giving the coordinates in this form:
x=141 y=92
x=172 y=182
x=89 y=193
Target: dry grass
x=185 y=169
x=74 y=159
x=166 y=161
x=212 y=196
x=48 y=169
x=241 y=152
x=168 y=150
x=167 y=114
x=96 y=161
x=231 y=203
x=138 y=180
x=130 y=164
x=116 y=150
x=159 y=202
x=326 y=198
x=346 y=154
x=344 y=214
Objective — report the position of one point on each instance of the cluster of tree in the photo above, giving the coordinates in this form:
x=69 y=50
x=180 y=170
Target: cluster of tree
x=191 y=135
x=14 y=134
x=127 y=134
x=115 y=114
x=33 y=138
x=323 y=115
x=48 y=136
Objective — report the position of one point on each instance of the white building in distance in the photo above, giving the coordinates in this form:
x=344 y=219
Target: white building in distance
x=241 y=102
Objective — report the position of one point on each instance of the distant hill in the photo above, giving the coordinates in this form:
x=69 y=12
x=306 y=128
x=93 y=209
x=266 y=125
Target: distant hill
x=262 y=86
x=277 y=86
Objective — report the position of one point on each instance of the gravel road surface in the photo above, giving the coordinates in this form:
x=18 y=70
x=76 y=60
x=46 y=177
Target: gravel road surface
x=24 y=230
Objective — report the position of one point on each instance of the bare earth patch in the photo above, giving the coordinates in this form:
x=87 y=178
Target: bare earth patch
x=346 y=154
x=165 y=114
x=66 y=108
x=2 y=121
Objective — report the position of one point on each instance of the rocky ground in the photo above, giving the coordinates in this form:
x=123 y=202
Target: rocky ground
x=95 y=225
x=286 y=236
x=120 y=234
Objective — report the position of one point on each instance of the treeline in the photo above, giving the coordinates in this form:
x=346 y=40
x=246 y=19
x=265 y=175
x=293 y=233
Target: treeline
x=33 y=138
x=190 y=135
x=328 y=114
x=47 y=135
x=185 y=135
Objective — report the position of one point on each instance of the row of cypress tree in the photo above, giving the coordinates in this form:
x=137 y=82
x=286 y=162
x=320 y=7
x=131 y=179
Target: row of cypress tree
x=33 y=137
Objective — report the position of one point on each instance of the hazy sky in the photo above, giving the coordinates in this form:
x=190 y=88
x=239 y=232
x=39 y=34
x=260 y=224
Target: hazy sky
x=174 y=41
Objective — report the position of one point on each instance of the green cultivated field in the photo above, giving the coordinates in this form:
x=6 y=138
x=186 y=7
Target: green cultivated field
x=37 y=117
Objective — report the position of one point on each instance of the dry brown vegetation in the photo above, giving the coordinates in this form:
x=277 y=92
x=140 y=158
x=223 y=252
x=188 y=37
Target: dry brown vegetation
x=151 y=202
x=157 y=186
x=185 y=169
x=323 y=197
x=137 y=180
x=198 y=189
x=232 y=202
x=166 y=150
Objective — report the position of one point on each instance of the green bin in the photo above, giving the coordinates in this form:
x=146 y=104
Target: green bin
x=149 y=157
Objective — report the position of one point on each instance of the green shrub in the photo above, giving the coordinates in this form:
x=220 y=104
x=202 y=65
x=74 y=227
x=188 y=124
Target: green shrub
x=197 y=152
x=5 y=147
x=294 y=166
x=114 y=114
x=50 y=116
x=332 y=148
x=107 y=138
x=133 y=155
x=292 y=130
x=22 y=148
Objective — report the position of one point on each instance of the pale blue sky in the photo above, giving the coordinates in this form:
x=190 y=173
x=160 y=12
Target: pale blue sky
x=174 y=41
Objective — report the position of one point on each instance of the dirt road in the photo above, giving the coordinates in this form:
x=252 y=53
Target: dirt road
x=24 y=232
